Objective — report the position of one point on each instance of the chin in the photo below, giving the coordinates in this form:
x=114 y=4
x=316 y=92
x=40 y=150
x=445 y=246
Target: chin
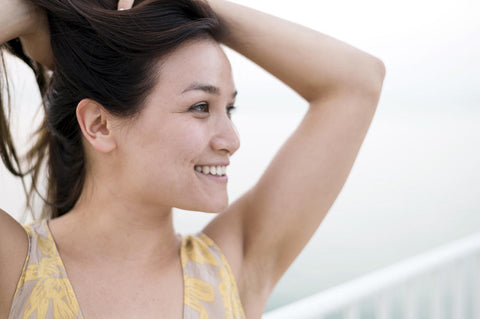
x=210 y=207
x=216 y=209
x=205 y=205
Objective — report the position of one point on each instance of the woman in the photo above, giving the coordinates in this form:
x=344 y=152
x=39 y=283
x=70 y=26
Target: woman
x=137 y=122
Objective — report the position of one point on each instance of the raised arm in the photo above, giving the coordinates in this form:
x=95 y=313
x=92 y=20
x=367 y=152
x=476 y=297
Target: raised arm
x=18 y=18
x=14 y=19
x=22 y=19
x=13 y=240
x=264 y=231
x=309 y=62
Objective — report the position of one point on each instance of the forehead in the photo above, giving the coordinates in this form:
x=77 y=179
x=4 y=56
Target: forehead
x=196 y=61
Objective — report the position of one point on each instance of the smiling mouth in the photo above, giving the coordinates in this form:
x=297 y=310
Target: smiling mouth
x=211 y=170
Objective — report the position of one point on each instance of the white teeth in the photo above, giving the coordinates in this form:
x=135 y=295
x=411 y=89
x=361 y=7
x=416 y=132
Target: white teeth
x=205 y=169
x=212 y=170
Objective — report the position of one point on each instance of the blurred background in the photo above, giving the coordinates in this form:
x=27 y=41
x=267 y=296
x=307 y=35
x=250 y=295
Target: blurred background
x=415 y=184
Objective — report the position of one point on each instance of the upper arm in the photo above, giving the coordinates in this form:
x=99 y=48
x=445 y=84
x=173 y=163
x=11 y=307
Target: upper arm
x=13 y=251
x=265 y=230
x=284 y=209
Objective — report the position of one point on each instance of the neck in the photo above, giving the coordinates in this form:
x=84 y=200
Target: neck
x=109 y=227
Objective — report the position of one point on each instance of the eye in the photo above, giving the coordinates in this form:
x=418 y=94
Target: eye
x=200 y=107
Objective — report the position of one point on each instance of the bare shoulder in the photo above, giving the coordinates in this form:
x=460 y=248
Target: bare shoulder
x=13 y=251
x=12 y=235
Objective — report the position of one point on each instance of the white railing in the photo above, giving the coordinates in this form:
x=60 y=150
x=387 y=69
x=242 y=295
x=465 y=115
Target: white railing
x=443 y=283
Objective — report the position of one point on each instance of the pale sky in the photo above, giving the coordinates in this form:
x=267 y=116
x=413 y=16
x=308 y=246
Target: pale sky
x=430 y=48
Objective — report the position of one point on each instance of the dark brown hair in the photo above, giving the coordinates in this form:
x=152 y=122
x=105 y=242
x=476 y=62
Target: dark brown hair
x=102 y=54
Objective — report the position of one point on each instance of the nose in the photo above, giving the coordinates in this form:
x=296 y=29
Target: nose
x=226 y=136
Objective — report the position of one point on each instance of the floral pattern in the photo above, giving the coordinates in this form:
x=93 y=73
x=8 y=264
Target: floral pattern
x=44 y=291
x=230 y=296
x=198 y=291
x=50 y=292
x=196 y=250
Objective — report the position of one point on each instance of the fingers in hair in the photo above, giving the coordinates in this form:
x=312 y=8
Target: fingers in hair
x=125 y=4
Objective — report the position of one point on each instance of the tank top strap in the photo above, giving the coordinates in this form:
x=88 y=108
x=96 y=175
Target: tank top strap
x=43 y=290
x=210 y=287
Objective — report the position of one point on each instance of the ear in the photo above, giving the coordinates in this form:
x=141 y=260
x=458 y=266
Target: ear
x=96 y=125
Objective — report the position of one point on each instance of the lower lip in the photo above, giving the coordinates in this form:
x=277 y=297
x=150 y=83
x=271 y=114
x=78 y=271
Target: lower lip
x=219 y=179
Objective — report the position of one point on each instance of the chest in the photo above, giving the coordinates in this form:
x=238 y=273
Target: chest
x=197 y=284
x=122 y=293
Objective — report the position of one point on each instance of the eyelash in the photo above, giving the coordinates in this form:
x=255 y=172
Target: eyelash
x=230 y=108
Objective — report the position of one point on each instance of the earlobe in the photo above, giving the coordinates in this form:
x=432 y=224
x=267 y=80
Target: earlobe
x=95 y=125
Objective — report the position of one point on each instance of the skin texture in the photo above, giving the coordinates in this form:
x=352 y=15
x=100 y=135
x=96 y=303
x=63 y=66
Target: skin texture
x=138 y=170
x=151 y=160
x=20 y=18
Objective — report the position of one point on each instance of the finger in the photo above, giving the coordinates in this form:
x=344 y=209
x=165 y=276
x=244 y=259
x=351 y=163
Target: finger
x=125 y=4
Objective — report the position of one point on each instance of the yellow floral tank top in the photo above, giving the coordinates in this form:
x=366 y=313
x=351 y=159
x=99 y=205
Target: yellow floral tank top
x=44 y=291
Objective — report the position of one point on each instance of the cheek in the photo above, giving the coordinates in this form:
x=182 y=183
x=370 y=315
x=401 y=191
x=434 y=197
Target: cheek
x=175 y=147
x=163 y=155
x=188 y=144
x=177 y=155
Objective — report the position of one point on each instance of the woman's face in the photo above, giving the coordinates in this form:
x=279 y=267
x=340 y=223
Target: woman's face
x=184 y=133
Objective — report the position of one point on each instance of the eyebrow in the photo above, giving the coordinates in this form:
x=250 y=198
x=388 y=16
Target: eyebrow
x=211 y=89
